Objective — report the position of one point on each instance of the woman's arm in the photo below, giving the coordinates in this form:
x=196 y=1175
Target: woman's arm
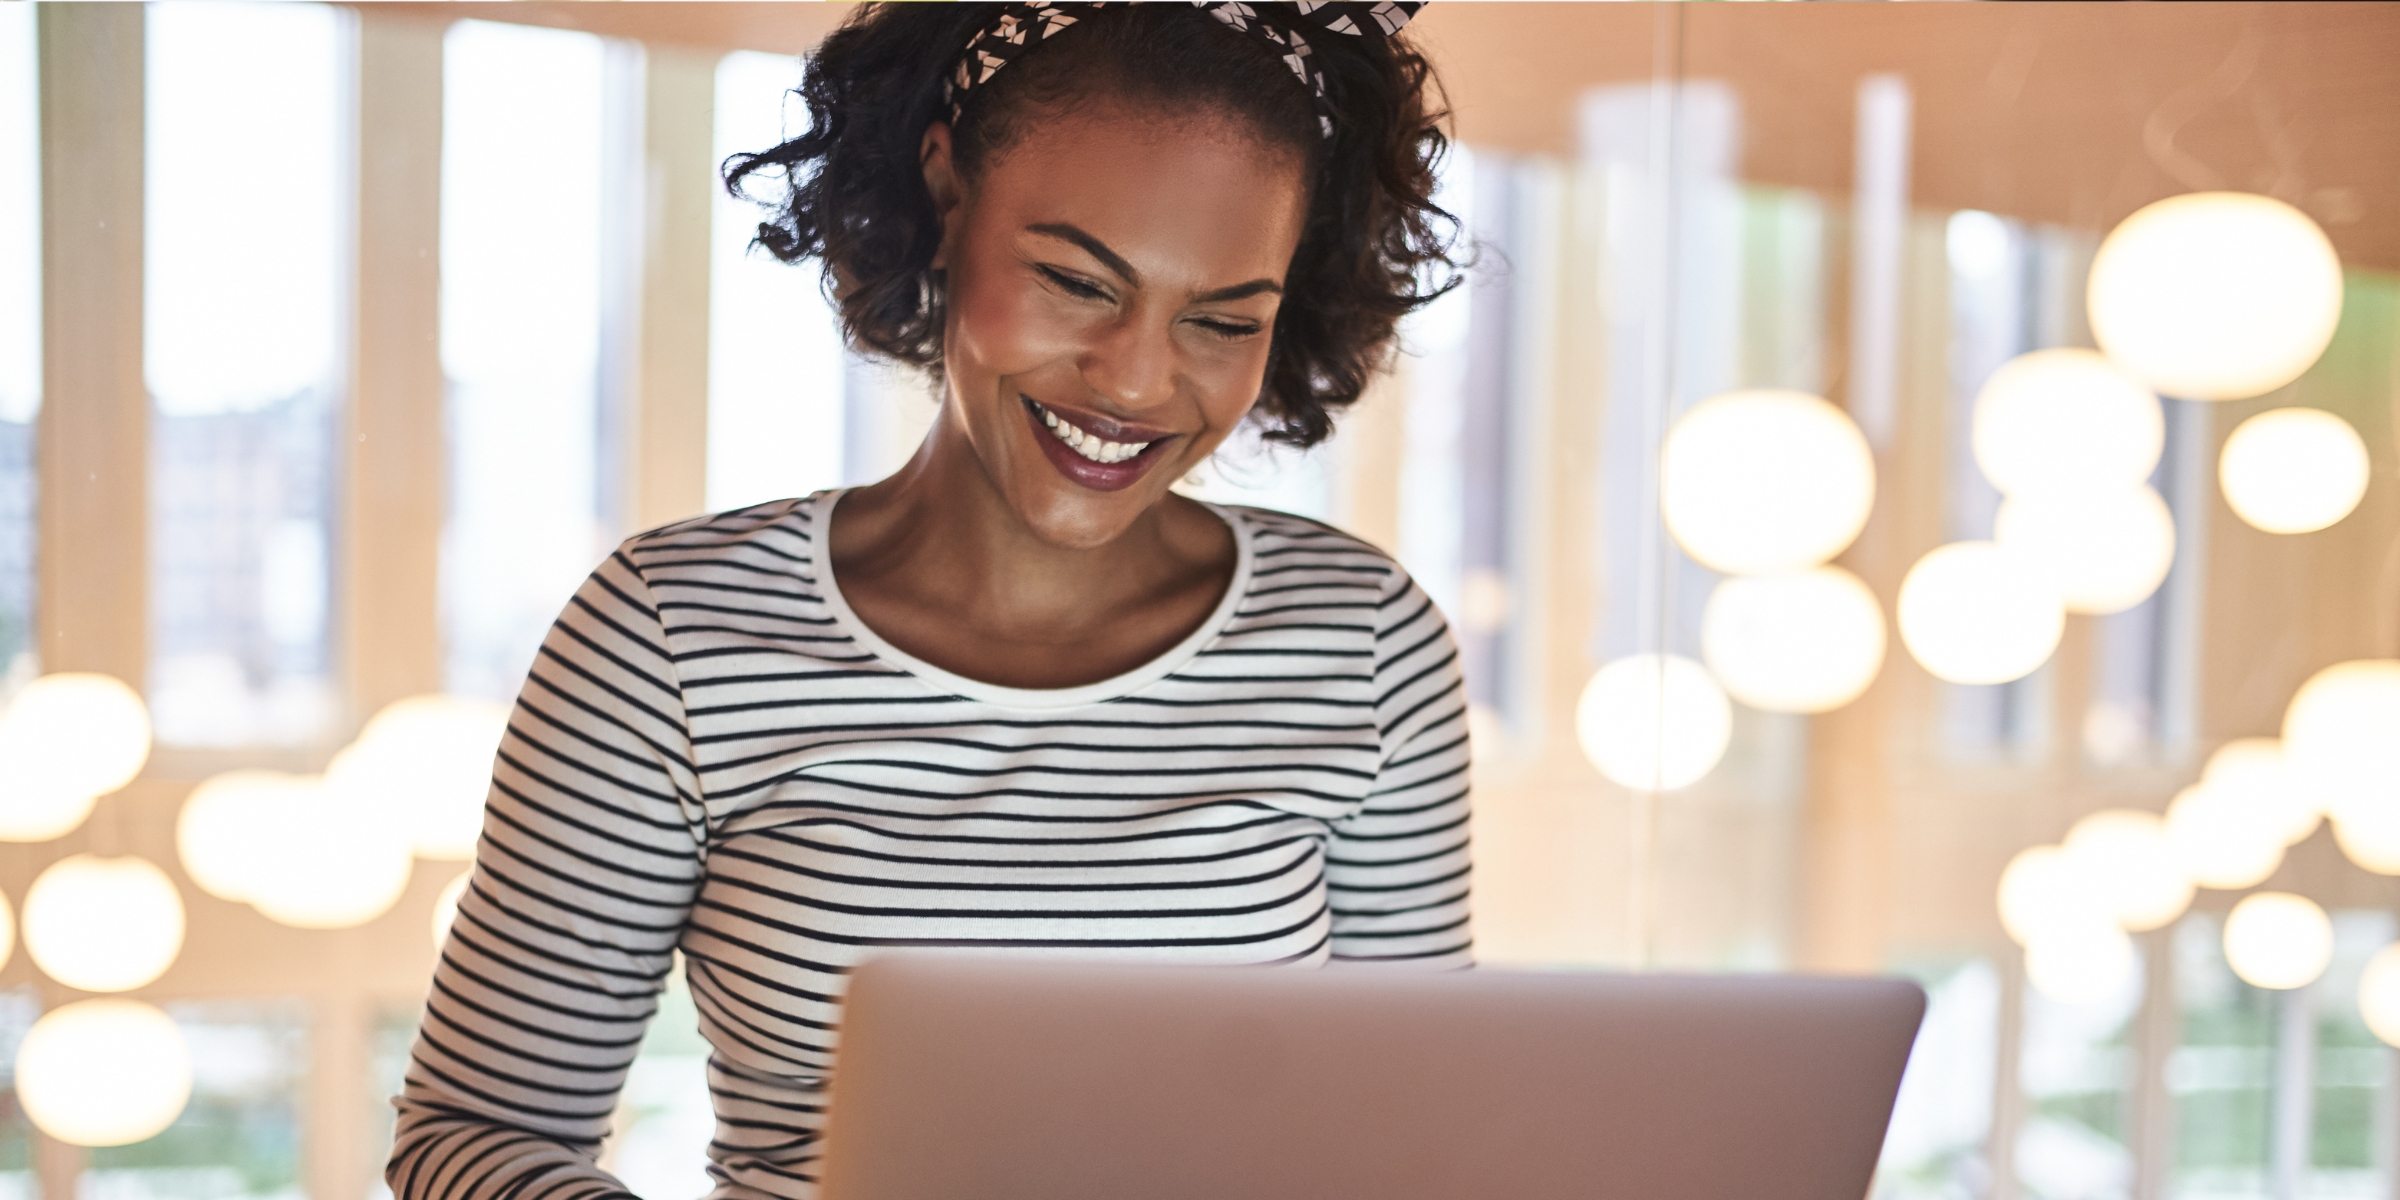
x=590 y=855
x=1397 y=872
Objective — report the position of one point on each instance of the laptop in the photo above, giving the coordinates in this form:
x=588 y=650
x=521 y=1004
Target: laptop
x=980 y=1078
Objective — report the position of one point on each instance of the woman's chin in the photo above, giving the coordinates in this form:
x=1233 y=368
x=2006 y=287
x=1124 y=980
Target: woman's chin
x=1069 y=516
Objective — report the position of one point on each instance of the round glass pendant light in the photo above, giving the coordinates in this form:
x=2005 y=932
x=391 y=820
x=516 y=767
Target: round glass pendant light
x=445 y=908
x=338 y=864
x=69 y=739
x=2221 y=842
x=2379 y=994
x=2278 y=940
x=2081 y=965
x=1653 y=722
x=2043 y=889
x=2126 y=855
x=2293 y=470
x=2369 y=836
x=227 y=833
x=2066 y=420
x=2341 y=732
x=2215 y=295
x=103 y=1072
x=1765 y=482
x=1808 y=642
x=103 y=924
x=2108 y=550
x=428 y=759
x=2254 y=772
x=1979 y=612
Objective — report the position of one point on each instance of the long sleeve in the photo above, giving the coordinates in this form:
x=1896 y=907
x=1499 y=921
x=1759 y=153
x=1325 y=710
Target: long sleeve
x=583 y=880
x=1397 y=872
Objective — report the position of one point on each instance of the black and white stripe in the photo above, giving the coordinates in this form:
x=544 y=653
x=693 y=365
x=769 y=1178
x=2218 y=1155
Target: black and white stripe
x=712 y=754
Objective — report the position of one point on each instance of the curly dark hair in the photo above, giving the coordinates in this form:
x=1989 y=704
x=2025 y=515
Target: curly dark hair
x=1374 y=246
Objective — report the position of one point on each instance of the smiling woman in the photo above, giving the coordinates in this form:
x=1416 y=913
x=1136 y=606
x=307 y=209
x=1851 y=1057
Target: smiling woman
x=1019 y=696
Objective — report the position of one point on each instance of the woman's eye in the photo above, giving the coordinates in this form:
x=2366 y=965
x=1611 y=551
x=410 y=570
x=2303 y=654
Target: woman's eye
x=1231 y=331
x=1071 y=285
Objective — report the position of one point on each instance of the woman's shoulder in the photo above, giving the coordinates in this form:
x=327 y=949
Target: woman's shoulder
x=1284 y=544
x=777 y=535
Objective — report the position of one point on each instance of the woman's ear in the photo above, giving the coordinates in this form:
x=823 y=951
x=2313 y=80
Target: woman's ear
x=942 y=182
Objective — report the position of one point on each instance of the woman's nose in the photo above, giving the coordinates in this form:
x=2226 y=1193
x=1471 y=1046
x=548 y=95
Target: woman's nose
x=1132 y=362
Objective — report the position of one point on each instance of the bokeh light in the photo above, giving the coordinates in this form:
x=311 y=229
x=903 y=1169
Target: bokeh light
x=69 y=739
x=2215 y=295
x=2369 y=836
x=226 y=834
x=2107 y=550
x=2081 y=965
x=2255 y=772
x=338 y=864
x=2132 y=868
x=2379 y=994
x=1808 y=642
x=1979 y=612
x=2278 y=940
x=2293 y=470
x=103 y=1072
x=1653 y=722
x=2221 y=842
x=2042 y=889
x=2342 y=733
x=429 y=760
x=103 y=924
x=2066 y=420
x=1765 y=482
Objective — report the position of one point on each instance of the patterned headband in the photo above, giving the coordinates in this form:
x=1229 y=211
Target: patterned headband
x=1017 y=28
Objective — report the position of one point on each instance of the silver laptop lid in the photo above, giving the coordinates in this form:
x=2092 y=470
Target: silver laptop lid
x=964 y=1078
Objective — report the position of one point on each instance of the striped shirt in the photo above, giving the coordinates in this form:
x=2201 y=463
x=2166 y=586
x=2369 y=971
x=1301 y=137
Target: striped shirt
x=713 y=754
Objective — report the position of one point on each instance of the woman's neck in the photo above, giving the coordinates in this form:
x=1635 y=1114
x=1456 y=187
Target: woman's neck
x=937 y=562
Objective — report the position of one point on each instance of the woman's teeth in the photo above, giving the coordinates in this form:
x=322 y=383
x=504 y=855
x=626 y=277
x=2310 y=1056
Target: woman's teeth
x=1088 y=446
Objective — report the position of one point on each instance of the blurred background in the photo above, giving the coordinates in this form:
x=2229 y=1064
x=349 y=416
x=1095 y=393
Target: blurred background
x=1880 y=538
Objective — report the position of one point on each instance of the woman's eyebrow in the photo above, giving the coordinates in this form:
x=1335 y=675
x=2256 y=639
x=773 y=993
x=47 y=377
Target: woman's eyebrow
x=1239 y=291
x=1124 y=270
x=1093 y=246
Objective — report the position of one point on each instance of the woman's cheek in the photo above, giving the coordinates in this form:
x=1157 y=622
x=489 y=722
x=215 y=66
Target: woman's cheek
x=1011 y=327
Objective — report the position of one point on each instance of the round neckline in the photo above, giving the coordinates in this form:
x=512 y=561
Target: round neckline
x=846 y=619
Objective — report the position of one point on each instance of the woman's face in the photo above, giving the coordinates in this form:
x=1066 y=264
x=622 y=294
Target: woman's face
x=1113 y=281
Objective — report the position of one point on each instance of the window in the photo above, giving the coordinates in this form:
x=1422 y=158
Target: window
x=522 y=192
x=1472 y=439
x=20 y=328
x=775 y=361
x=247 y=224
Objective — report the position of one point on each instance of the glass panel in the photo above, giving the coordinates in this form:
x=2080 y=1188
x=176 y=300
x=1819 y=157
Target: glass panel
x=240 y=1134
x=19 y=1008
x=2076 y=1069
x=20 y=328
x=522 y=142
x=247 y=217
x=2222 y=1075
x=2352 y=1116
x=775 y=360
x=1935 y=1147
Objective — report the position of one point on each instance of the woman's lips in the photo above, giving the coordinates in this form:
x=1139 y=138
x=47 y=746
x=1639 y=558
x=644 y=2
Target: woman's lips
x=1133 y=449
